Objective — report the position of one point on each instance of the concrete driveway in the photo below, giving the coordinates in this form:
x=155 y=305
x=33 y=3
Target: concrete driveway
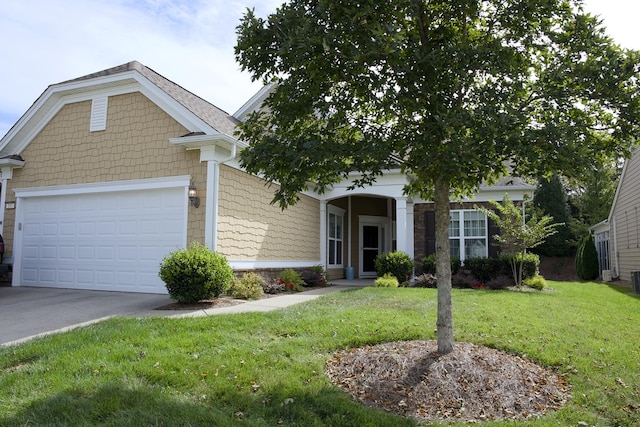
x=26 y=312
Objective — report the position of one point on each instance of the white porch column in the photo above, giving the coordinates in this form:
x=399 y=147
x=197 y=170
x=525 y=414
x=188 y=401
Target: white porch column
x=410 y=230
x=3 y=199
x=323 y=233
x=401 y=224
x=211 y=206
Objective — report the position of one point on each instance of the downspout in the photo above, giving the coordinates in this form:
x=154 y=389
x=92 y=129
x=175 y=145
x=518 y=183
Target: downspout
x=615 y=248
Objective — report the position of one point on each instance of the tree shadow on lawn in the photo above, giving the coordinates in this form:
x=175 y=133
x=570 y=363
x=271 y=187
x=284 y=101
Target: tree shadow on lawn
x=118 y=404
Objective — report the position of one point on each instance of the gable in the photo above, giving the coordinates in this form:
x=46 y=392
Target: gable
x=133 y=145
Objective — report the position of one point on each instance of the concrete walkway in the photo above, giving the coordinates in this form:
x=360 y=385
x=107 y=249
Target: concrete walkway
x=29 y=312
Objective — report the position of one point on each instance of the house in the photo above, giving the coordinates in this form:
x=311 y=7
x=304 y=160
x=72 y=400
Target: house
x=104 y=175
x=618 y=237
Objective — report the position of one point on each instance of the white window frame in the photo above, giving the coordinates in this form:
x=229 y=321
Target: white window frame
x=462 y=238
x=338 y=213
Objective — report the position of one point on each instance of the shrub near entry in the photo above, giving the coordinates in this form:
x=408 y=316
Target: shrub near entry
x=398 y=263
x=195 y=274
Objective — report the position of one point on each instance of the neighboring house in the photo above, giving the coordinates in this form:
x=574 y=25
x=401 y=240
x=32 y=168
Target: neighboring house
x=618 y=237
x=97 y=176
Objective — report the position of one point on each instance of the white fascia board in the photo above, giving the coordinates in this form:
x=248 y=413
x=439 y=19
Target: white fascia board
x=105 y=187
x=600 y=227
x=254 y=103
x=195 y=142
x=57 y=96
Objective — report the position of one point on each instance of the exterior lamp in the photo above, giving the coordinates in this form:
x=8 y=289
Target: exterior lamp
x=194 y=200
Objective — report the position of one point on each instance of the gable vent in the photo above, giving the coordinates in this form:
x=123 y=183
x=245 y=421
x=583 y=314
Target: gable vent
x=98 y=114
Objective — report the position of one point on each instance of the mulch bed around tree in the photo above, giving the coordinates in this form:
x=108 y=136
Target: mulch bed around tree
x=471 y=383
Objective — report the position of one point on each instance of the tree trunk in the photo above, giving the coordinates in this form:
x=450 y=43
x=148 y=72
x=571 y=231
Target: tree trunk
x=443 y=268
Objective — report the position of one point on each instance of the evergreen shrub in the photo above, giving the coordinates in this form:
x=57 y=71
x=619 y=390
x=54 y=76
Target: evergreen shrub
x=398 y=263
x=195 y=273
x=587 y=266
x=428 y=264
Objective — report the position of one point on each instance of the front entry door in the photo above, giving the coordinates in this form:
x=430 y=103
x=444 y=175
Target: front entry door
x=372 y=244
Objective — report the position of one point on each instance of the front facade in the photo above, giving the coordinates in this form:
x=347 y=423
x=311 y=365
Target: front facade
x=96 y=180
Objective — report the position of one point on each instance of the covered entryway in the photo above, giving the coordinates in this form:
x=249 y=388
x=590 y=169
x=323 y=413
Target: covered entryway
x=107 y=237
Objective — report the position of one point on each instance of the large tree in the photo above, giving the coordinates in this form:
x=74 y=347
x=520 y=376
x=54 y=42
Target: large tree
x=452 y=92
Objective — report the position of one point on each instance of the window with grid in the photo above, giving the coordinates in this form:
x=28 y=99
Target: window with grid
x=468 y=234
x=335 y=236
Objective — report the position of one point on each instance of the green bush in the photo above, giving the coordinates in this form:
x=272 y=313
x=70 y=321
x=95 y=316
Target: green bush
x=484 y=269
x=291 y=280
x=398 y=263
x=428 y=264
x=536 y=282
x=587 y=259
x=530 y=265
x=249 y=286
x=195 y=273
x=315 y=276
x=388 y=280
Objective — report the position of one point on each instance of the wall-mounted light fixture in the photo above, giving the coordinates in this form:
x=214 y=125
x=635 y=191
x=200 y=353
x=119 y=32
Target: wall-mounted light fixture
x=194 y=200
x=10 y=205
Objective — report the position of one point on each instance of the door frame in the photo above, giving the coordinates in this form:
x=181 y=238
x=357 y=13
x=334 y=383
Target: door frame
x=382 y=222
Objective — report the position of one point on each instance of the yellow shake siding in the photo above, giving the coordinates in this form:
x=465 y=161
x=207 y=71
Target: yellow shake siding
x=135 y=145
x=251 y=229
x=626 y=217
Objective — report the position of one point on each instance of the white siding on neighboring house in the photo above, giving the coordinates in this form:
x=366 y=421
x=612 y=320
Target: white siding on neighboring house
x=625 y=221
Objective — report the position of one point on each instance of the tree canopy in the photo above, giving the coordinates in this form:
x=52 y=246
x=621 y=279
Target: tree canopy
x=451 y=92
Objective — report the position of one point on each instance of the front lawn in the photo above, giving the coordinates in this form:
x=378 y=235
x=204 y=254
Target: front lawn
x=266 y=369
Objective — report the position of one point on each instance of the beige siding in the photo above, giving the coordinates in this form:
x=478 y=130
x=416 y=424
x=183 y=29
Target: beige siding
x=626 y=219
x=251 y=229
x=135 y=145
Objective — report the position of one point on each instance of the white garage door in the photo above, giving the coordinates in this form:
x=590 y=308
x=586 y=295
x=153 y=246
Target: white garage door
x=104 y=241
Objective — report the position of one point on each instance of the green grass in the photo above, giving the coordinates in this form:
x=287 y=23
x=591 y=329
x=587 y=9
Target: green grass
x=266 y=369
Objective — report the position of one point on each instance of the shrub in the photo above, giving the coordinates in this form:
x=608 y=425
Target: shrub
x=425 y=280
x=536 y=282
x=195 y=273
x=530 y=264
x=397 y=263
x=249 y=286
x=428 y=264
x=315 y=276
x=273 y=287
x=484 y=269
x=291 y=280
x=388 y=280
x=587 y=259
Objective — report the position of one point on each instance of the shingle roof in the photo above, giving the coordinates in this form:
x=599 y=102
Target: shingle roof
x=218 y=119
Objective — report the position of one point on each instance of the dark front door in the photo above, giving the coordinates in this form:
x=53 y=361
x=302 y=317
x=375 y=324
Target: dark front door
x=370 y=248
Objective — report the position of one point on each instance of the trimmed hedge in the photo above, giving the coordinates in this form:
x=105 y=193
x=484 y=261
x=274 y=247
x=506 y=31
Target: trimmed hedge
x=428 y=264
x=397 y=263
x=195 y=274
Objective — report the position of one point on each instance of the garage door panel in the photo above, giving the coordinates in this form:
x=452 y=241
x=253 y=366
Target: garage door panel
x=106 y=241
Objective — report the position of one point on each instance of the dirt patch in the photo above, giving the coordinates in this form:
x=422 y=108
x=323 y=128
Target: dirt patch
x=471 y=383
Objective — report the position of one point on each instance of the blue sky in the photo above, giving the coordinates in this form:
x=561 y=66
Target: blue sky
x=188 y=41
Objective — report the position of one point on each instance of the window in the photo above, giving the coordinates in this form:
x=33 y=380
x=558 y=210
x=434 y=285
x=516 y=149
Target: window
x=468 y=234
x=335 y=230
